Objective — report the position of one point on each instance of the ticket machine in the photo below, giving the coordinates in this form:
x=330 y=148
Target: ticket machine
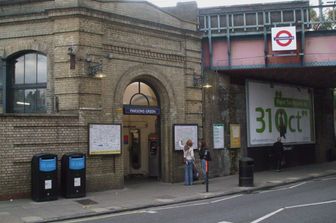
x=153 y=153
x=135 y=149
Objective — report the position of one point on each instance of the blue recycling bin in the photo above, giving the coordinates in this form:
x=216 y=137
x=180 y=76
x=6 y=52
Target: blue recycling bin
x=73 y=175
x=44 y=185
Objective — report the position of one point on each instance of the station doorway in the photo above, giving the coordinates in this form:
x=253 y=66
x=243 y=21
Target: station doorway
x=141 y=132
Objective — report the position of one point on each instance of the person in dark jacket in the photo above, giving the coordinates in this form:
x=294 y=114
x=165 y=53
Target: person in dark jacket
x=278 y=152
x=204 y=155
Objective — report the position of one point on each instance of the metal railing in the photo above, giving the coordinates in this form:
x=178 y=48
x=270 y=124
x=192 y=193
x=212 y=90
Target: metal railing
x=307 y=18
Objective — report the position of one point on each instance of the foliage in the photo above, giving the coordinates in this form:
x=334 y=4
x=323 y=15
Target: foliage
x=326 y=22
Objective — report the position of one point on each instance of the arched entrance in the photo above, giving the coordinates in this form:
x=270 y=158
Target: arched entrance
x=141 y=129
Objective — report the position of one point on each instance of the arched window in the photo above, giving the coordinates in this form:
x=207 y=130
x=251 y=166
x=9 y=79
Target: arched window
x=139 y=93
x=27 y=79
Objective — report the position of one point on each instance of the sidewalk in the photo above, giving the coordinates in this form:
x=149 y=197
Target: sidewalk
x=149 y=194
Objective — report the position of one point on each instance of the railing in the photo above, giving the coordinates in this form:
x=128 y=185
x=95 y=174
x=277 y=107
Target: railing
x=307 y=18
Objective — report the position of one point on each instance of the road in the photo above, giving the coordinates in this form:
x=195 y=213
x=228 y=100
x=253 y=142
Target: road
x=305 y=202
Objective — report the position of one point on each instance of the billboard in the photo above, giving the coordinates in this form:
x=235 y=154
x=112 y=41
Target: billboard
x=277 y=110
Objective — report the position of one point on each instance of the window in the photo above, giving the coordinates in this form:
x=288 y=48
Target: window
x=139 y=93
x=28 y=83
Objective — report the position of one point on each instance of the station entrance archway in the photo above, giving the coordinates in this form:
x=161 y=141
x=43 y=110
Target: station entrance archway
x=141 y=132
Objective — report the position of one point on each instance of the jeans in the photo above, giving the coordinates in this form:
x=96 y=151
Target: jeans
x=203 y=163
x=188 y=172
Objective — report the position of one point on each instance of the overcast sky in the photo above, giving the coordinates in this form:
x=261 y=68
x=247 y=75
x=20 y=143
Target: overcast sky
x=210 y=3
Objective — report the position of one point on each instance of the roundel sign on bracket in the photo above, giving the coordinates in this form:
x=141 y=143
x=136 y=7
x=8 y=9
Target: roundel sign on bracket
x=284 y=38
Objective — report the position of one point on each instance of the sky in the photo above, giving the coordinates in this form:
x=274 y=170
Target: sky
x=211 y=3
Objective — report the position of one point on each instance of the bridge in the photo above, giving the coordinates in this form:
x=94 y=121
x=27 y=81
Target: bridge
x=237 y=41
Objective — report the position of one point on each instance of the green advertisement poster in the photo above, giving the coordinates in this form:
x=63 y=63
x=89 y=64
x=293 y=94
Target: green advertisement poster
x=277 y=110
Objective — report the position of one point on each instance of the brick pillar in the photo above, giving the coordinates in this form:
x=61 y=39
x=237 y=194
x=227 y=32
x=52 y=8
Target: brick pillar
x=324 y=123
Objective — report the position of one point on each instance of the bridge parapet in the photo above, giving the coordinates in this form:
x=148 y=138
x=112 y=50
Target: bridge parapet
x=237 y=37
x=257 y=18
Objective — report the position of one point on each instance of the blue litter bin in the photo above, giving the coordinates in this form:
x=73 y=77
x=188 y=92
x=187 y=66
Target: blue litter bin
x=44 y=177
x=73 y=175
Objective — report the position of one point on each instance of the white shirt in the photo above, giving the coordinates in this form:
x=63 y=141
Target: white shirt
x=189 y=153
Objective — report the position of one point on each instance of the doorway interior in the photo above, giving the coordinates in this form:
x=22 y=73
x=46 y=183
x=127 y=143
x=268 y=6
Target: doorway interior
x=141 y=133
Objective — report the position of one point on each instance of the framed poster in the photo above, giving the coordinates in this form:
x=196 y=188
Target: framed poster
x=218 y=136
x=279 y=110
x=234 y=136
x=104 y=139
x=183 y=132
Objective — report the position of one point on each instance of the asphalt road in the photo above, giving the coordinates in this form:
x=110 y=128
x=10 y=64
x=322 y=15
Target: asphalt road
x=305 y=202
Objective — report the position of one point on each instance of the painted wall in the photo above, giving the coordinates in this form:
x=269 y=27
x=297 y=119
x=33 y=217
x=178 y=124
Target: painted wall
x=320 y=49
x=249 y=52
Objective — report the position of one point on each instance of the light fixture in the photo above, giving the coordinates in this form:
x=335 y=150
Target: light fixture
x=201 y=81
x=207 y=85
x=94 y=69
x=22 y=103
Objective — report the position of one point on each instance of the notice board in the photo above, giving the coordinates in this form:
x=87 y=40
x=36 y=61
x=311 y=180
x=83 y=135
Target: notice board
x=104 y=139
x=184 y=132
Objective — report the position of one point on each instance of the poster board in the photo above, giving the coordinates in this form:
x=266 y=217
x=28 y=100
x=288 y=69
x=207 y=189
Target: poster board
x=235 y=136
x=184 y=132
x=104 y=139
x=218 y=136
x=279 y=110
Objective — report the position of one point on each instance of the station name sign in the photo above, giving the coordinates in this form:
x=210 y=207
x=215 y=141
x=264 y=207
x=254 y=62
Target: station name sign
x=284 y=38
x=141 y=110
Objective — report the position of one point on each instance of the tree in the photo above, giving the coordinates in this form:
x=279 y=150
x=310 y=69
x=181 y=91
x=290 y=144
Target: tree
x=326 y=22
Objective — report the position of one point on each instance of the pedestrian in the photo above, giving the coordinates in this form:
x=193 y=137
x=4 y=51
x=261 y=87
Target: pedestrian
x=188 y=157
x=278 y=152
x=204 y=155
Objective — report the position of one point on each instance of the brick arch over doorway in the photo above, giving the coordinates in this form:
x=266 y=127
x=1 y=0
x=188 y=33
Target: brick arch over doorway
x=161 y=84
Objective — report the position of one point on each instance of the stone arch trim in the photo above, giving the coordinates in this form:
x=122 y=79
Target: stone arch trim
x=165 y=92
x=40 y=46
x=154 y=77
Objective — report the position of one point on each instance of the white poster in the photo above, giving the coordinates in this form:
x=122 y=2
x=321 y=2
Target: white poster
x=284 y=38
x=47 y=184
x=276 y=110
x=218 y=136
x=183 y=132
x=104 y=139
x=77 y=182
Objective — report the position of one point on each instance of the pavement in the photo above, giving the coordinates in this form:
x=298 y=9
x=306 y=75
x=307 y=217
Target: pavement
x=145 y=194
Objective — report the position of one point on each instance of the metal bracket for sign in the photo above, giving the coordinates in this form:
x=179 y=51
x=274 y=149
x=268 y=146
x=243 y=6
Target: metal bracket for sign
x=286 y=55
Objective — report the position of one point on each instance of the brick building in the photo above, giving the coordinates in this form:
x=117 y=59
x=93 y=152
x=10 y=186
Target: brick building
x=53 y=53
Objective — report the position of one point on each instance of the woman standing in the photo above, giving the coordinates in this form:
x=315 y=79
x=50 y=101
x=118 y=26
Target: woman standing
x=204 y=155
x=188 y=156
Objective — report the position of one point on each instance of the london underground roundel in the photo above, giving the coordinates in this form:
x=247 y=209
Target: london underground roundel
x=284 y=38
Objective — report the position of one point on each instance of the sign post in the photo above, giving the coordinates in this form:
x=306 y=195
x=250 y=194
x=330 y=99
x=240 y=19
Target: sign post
x=207 y=176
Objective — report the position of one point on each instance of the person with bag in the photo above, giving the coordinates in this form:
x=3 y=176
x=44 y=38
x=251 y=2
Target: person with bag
x=188 y=157
x=204 y=155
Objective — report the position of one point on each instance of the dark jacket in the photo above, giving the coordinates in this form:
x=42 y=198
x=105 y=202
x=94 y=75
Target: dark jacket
x=278 y=148
x=204 y=153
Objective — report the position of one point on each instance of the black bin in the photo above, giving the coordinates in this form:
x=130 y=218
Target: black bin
x=246 y=166
x=44 y=177
x=73 y=175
